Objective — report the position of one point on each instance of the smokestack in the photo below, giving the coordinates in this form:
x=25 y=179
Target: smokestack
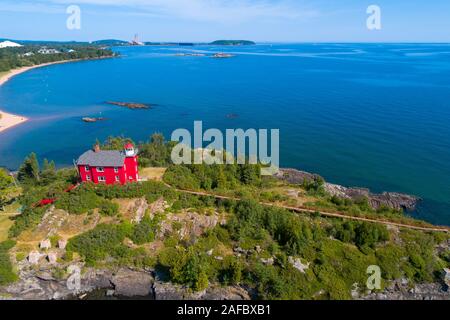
x=97 y=148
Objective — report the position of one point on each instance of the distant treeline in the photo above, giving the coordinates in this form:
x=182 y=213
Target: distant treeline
x=29 y=55
x=233 y=43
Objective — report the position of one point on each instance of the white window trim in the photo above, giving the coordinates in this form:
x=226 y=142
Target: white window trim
x=117 y=179
x=88 y=177
x=116 y=169
x=102 y=179
x=87 y=168
x=100 y=169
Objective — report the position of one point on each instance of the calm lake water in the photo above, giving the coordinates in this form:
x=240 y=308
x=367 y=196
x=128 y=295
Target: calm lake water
x=358 y=114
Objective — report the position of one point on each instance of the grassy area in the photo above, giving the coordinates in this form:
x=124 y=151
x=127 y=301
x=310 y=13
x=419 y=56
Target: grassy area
x=5 y=219
x=152 y=173
x=5 y=224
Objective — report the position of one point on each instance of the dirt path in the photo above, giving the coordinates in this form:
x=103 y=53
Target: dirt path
x=322 y=213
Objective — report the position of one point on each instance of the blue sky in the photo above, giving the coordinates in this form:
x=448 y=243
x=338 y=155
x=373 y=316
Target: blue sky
x=206 y=20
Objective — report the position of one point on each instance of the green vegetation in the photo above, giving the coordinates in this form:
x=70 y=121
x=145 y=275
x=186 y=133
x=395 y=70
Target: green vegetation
x=362 y=234
x=213 y=177
x=232 y=43
x=145 y=231
x=8 y=188
x=257 y=246
x=334 y=265
x=107 y=241
x=28 y=55
x=154 y=153
x=7 y=274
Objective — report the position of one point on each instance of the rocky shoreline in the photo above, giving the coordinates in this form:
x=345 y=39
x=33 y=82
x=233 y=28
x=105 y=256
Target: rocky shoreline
x=126 y=283
x=392 y=200
x=122 y=283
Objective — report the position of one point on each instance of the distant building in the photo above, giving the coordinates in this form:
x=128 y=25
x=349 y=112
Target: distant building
x=46 y=50
x=109 y=167
x=136 y=42
x=9 y=44
x=28 y=54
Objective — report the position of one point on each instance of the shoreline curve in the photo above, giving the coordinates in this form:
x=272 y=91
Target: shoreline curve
x=9 y=120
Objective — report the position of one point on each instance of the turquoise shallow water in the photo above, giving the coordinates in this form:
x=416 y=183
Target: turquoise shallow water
x=374 y=115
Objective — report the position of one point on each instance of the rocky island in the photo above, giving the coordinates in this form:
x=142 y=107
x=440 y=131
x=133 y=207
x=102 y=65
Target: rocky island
x=90 y=120
x=130 y=105
x=222 y=55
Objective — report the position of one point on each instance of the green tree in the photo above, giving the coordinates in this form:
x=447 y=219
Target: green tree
x=29 y=170
x=7 y=188
x=48 y=174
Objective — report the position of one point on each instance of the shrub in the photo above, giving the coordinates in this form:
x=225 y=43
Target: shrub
x=98 y=243
x=108 y=208
x=144 y=232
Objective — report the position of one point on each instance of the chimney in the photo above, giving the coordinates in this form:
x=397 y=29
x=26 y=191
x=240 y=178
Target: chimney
x=97 y=148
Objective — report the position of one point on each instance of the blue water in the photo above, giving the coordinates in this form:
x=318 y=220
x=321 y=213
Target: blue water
x=369 y=115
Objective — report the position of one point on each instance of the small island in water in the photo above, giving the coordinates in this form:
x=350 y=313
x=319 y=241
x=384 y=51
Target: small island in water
x=130 y=105
x=233 y=43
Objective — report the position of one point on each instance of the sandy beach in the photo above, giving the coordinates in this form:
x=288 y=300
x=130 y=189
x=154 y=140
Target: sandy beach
x=8 y=120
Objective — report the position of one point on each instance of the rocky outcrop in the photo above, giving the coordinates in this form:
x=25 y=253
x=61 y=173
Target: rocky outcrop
x=401 y=290
x=43 y=284
x=294 y=176
x=188 y=224
x=131 y=283
x=297 y=264
x=392 y=200
x=446 y=276
x=169 y=291
x=140 y=208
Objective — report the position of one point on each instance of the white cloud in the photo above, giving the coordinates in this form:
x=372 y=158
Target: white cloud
x=198 y=10
x=30 y=7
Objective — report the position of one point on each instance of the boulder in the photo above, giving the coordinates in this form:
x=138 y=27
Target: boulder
x=169 y=291
x=62 y=243
x=447 y=277
x=45 y=244
x=297 y=264
x=34 y=257
x=130 y=283
x=52 y=257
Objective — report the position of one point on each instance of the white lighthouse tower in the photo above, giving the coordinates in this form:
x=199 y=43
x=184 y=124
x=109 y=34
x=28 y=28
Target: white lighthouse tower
x=130 y=150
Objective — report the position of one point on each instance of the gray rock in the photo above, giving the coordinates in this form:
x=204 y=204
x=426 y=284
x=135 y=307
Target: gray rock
x=169 y=291
x=62 y=244
x=390 y=199
x=447 y=277
x=130 y=283
x=34 y=257
x=45 y=244
x=52 y=257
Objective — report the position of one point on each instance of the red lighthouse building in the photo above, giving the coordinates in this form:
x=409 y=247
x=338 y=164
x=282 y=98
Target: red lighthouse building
x=109 y=167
